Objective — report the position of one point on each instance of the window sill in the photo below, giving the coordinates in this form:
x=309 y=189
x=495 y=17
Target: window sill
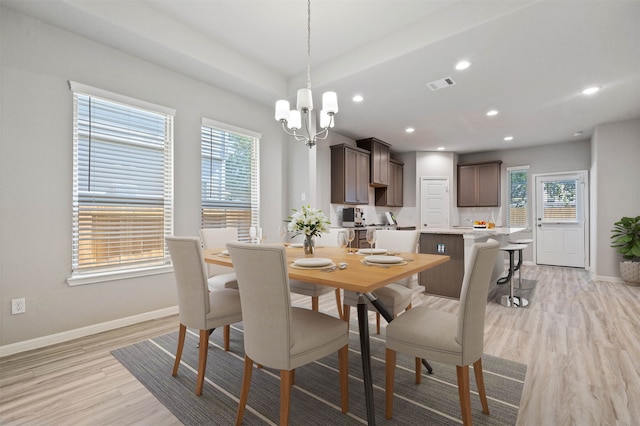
x=117 y=275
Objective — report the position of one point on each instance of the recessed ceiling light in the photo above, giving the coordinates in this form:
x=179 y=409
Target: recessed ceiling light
x=357 y=98
x=409 y=130
x=440 y=148
x=463 y=65
x=578 y=133
x=508 y=138
x=591 y=90
x=492 y=113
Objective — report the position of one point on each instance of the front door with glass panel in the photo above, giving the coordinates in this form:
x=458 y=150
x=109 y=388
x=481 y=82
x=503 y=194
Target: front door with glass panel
x=560 y=219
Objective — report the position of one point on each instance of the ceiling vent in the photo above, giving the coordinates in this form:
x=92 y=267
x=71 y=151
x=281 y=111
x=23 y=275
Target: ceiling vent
x=441 y=84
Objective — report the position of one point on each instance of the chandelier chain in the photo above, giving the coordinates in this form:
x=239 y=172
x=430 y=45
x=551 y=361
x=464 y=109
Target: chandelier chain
x=308 y=44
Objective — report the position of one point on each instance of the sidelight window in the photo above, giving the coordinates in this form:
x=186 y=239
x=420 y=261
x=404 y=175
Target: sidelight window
x=518 y=196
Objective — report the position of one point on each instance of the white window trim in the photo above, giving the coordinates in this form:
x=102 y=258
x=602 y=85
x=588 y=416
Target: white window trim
x=116 y=97
x=228 y=127
x=529 y=198
x=93 y=278
x=118 y=275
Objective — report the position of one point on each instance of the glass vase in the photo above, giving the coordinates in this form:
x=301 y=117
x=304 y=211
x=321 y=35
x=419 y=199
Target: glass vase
x=309 y=245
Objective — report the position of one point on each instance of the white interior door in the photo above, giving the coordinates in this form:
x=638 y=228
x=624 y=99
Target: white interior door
x=434 y=202
x=560 y=219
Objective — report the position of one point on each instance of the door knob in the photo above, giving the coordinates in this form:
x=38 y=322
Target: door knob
x=539 y=225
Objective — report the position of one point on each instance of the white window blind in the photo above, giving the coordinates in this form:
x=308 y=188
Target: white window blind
x=122 y=183
x=518 y=196
x=559 y=201
x=230 y=177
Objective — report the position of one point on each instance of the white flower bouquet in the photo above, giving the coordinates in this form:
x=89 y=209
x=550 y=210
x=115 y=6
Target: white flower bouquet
x=308 y=221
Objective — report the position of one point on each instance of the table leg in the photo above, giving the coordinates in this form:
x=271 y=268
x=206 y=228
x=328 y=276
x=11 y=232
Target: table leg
x=387 y=316
x=363 y=326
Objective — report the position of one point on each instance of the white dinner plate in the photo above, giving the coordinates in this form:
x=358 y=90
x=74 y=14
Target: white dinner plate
x=296 y=245
x=383 y=259
x=368 y=251
x=312 y=262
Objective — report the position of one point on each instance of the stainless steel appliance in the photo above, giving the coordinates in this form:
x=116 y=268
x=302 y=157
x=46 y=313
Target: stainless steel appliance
x=348 y=217
x=359 y=217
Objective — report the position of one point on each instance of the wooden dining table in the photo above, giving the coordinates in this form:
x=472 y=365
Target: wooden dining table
x=358 y=276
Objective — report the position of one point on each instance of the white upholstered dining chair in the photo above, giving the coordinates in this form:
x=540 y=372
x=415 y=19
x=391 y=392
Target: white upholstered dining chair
x=198 y=307
x=395 y=297
x=456 y=339
x=219 y=276
x=277 y=335
x=329 y=239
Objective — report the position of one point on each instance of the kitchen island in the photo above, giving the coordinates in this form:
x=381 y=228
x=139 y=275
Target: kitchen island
x=446 y=280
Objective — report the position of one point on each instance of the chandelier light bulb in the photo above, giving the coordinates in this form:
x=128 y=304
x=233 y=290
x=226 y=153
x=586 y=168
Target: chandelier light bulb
x=330 y=102
x=305 y=100
x=295 y=120
x=282 y=110
x=326 y=120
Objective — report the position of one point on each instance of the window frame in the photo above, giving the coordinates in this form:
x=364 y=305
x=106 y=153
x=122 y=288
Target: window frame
x=114 y=270
x=254 y=176
x=527 y=198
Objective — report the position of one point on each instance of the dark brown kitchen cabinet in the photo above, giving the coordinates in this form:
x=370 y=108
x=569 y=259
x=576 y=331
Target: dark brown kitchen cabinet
x=349 y=175
x=391 y=195
x=479 y=184
x=446 y=279
x=380 y=155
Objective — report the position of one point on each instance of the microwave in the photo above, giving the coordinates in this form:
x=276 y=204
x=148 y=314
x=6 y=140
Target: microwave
x=348 y=217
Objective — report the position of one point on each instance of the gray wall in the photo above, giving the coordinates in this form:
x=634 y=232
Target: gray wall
x=615 y=191
x=36 y=172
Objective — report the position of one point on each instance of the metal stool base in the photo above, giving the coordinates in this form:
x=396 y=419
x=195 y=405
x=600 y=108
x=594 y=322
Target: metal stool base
x=518 y=302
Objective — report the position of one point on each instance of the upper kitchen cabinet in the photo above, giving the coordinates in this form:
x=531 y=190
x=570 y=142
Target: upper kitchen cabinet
x=479 y=184
x=392 y=195
x=349 y=175
x=379 y=160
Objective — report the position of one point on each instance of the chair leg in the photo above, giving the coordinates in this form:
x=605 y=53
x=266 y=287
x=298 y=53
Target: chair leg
x=227 y=336
x=339 y=303
x=202 y=360
x=477 y=370
x=464 y=392
x=244 y=391
x=377 y=323
x=346 y=312
x=343 y=363
x=390 y=369
x=181 y=334
x=314 y=303
x=293 y=377
x=418 y=370
x=285 y=396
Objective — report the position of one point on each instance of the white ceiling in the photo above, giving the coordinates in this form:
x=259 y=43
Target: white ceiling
x=530 y=60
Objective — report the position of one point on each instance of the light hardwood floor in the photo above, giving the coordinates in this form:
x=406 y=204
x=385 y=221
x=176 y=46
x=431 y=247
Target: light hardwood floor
x=579 y=338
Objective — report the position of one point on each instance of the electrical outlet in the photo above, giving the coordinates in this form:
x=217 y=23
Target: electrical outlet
x=18 y=306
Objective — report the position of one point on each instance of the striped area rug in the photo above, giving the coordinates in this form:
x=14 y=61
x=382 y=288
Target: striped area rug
x=315 y=397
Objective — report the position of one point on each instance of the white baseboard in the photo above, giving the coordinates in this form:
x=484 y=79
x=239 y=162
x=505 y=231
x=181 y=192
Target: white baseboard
x=65 y=336
x=604 y=278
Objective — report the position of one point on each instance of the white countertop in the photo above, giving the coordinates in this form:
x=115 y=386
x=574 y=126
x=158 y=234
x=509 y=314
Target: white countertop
x=472 y=231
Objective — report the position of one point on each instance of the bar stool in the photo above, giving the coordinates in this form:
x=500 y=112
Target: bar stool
x=512 y=300
x=525 y=241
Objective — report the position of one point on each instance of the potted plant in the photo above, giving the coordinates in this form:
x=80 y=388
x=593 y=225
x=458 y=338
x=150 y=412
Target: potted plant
x=626 y=240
